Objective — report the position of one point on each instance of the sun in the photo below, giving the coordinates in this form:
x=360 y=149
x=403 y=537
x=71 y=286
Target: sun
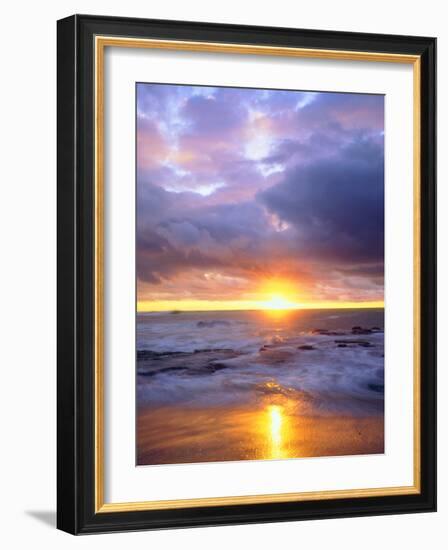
x=278 y=302
x=278 y=294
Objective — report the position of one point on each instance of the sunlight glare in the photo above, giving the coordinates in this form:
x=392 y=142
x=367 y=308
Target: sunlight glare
x=275 y=416
x=278 y=302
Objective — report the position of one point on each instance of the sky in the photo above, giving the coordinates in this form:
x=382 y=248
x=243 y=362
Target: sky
x=251 y=199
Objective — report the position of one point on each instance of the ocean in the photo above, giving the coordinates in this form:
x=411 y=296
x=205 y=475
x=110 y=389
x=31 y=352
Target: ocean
x=199 y=372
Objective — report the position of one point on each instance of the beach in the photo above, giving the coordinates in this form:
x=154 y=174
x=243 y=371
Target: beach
x=251 y=385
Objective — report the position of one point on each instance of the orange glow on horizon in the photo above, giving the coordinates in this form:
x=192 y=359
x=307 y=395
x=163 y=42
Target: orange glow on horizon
x=276 y=295
x=239 y=305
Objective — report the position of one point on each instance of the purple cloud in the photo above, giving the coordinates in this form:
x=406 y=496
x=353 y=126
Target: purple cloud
x=239 y=184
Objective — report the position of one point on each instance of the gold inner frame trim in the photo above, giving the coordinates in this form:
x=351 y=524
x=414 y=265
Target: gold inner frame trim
x=101 y=42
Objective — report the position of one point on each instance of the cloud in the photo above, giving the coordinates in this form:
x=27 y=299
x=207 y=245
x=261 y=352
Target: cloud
x=335 y=205
x=179 y=232
x=238 y=185
x=151 y=145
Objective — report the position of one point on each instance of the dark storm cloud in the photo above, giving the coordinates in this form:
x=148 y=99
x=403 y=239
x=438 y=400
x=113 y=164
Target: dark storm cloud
x=335 y=205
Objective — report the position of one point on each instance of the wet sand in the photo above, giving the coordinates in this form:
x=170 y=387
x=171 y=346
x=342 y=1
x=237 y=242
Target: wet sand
x=170 y=435
x=223 y=386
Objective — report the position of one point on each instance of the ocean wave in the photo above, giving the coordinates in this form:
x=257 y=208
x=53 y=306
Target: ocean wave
x=308 y=368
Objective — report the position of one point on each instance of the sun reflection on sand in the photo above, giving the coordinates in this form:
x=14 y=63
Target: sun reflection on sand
x=276 y=424
x=277 y=432
x=273 y=431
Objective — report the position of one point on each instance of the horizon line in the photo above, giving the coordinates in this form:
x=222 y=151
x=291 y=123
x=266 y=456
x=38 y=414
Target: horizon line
x=144 y=307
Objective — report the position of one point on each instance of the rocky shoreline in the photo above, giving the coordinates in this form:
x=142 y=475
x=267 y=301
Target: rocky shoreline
x=208 y=361
x=207 y=385
x=197 y=363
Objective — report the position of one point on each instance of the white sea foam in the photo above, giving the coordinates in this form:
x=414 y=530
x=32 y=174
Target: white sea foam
x=266 y=358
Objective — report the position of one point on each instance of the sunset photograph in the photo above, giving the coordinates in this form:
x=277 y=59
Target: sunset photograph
x=259 y=274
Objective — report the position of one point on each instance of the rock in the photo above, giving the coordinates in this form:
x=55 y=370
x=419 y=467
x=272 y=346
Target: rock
x=306 y=347
x=213 y=367
x=199 y=362
x=154 y=372
x=274 y=356
x=218 y=350
x=362 y=343
x=361 y=330
x=149 y=354
x=326 y=332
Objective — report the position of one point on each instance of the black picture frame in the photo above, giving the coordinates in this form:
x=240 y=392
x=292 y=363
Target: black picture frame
x=76 y=512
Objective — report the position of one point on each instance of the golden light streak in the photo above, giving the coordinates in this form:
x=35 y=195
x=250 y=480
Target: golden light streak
x=245 y=305
x=275 y=417
x=277 y=432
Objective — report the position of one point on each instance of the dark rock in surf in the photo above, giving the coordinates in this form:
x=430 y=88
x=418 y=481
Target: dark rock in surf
x=345 y=343
x=143 y=354
x=326 y=332
x=196 y=363
x=208 y=350
x=361 y=330
x=275 y=356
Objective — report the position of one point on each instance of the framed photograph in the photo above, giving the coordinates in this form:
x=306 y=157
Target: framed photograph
x=246 y=274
